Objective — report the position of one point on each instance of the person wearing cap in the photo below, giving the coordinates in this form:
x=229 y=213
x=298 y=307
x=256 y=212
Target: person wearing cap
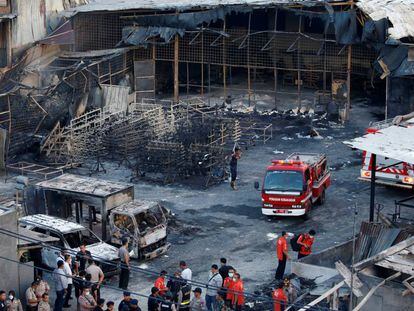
x=133 y=305
x=213 y=286
x=61 y=285
x=42 y=287
x=86 y=300
x=160 y=283
x=124 y=255
x=154 y=299
x=197 y=303
x=100 y=304
x=124 y=304
x=167 y=304
x=184 y=296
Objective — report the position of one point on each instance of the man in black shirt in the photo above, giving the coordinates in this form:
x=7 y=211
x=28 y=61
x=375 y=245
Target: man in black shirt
x=82 y=258
x=124 y=304
x=100 y=304
x=233 y=166
x=2 y=300
x=224 y=269
x=174 y=284
x=154 y=300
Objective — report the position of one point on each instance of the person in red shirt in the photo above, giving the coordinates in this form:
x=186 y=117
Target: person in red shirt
x=282 y=255
x=228 y=284
x=279 y=298
x=238 y=293
x=306 y=241
x=160 y=283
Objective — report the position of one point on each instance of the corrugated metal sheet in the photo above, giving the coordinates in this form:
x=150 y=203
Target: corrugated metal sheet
x=30 y=24
x=115 y=97
x=394 y=142
x=116 y=5
x=36 y=18
x=399 y=12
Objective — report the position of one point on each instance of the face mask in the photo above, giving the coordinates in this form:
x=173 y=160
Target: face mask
x=231 y=274
x=11 y=297
x=235 y=279
x=87 y=292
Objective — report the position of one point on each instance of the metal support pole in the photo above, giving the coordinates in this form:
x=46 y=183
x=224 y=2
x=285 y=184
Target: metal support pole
x=90 y=217
x=387 y=85
x=77 y=212
x=176 y=65
x=372 y=199
x=104 y=215
x=299 y=65
x=248 y=60
x=224 y=61
x=202 y=62
x=351 y=296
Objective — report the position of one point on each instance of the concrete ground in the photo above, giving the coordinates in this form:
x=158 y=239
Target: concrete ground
x=229 y=224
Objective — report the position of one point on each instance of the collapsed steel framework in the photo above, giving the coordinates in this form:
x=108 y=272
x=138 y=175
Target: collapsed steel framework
x=157 y=139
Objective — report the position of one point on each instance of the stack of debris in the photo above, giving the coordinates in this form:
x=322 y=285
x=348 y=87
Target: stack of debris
x=158 y=140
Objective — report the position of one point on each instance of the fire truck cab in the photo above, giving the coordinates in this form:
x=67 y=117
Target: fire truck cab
x=292 y=186
x=389 y=172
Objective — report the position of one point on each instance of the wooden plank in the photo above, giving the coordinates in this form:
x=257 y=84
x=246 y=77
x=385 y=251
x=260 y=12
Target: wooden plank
x=323 y=296
x=384 y=254
x=372 y=291
x=410 y=288
x=356 y=282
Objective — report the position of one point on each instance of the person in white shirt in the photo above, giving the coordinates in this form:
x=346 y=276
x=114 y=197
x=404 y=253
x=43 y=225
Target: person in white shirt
x=68 y=271
x=186 y=272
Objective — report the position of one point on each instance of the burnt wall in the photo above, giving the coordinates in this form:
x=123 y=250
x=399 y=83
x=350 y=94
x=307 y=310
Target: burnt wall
x=401 y=96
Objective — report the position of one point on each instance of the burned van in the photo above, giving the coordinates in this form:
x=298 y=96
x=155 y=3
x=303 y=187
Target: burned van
x=144 y=223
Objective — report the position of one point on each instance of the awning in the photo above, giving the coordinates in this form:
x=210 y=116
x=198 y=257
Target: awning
x=394 y=142
x=62 y=35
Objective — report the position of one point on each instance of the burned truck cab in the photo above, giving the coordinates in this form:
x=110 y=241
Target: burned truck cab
x=144 y=223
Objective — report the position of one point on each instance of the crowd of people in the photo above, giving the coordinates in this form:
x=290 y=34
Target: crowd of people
x=224 y=288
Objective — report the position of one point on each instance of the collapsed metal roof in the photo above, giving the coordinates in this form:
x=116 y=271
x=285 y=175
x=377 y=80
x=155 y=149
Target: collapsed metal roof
x=394 y=142
x=399 y=12
x=123 y=5
x=84 y=185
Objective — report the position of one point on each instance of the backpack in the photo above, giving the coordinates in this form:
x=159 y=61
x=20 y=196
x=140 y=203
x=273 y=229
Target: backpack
x=294 y=242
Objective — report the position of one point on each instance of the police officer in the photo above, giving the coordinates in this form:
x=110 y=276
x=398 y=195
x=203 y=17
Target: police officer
x=167 y=304
x=184 y=296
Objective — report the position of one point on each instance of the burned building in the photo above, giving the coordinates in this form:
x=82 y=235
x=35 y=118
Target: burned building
x=107 y=59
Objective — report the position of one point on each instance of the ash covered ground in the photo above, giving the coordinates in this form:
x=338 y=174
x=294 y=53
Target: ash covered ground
x=218 y=222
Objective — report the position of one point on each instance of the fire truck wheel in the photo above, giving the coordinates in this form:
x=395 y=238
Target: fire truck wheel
x=322 y=198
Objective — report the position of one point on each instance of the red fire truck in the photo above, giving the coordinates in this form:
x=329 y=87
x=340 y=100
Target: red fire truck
x=389 y=172
x=292 y=186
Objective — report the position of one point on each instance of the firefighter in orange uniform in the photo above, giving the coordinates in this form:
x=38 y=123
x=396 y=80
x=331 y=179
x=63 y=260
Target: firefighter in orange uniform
x=306 y=241
x=160 y=283
x=279 y=298
x=238 y=293
x=228 y=284
x=282 y=255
